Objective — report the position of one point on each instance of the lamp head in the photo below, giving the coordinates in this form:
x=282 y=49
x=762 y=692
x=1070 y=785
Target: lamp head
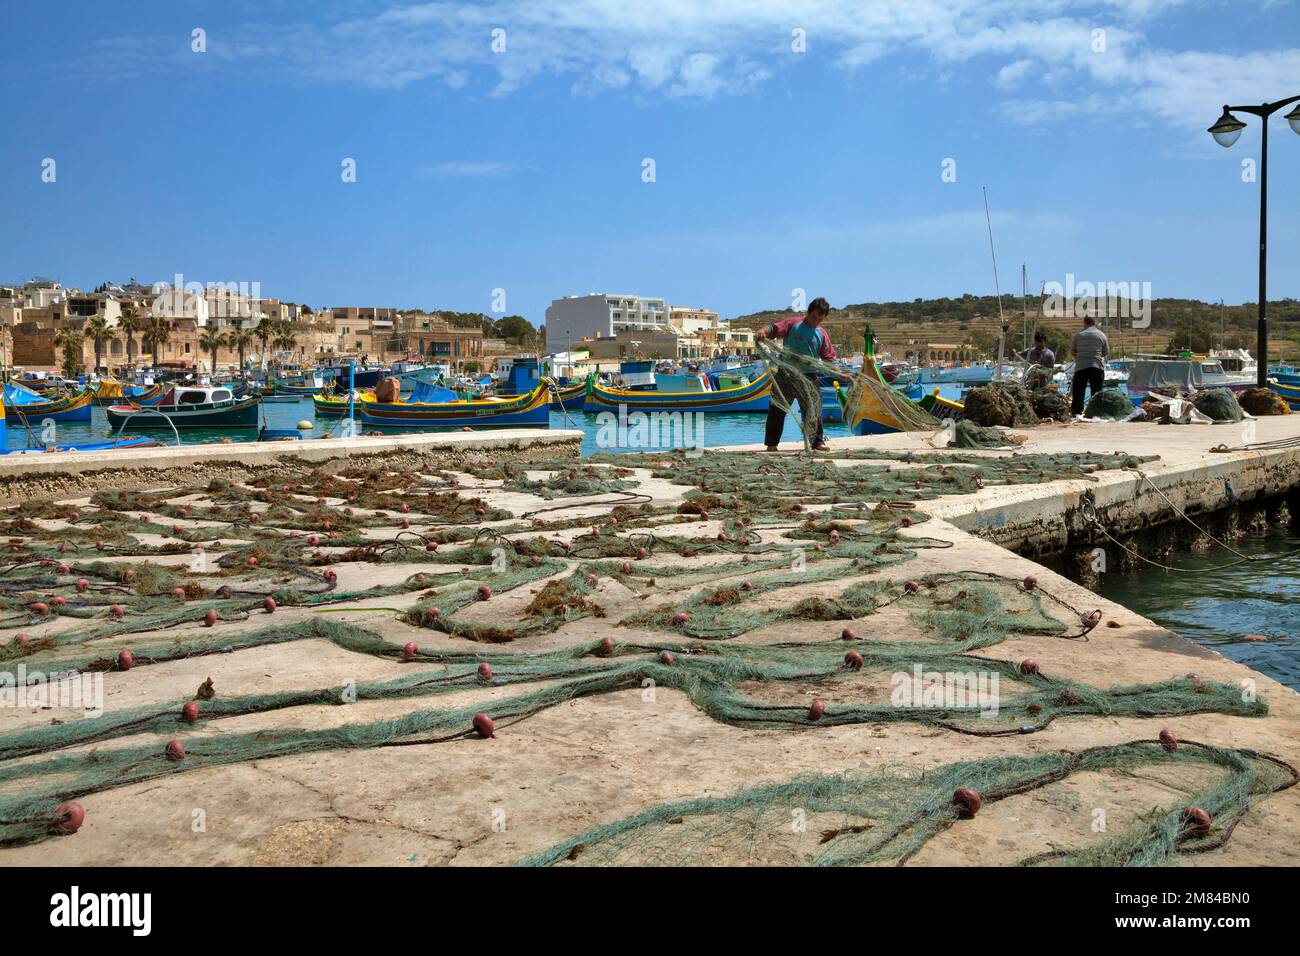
x=1226 y=129
x=1294 y=118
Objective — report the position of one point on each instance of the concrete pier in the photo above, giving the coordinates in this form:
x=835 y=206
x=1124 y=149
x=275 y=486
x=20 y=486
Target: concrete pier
x=601 y=758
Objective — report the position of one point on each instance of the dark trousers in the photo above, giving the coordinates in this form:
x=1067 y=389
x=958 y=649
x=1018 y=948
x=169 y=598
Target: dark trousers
x=1085 y=378
x=812 y=413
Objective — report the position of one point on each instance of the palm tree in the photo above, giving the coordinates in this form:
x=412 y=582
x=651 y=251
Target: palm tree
x=130 y=323
x=100 y=333
x=267 y=329
x=240 y=339
x=70 y=339
x=210 y=341
x=156 y=332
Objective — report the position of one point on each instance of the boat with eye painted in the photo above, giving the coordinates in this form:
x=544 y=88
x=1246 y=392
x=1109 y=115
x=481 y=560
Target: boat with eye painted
x=75 y=407
x=874 y=407
x=434 y=406
x=190 y=406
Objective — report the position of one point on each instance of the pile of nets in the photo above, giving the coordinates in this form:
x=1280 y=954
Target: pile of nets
x=1219 y=404
x=1109 y=403
x=1263 y=401
x=1006 y=404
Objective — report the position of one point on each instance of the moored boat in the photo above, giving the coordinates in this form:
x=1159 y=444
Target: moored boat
x=75 y=407
x=875 y=408
x=751 y=397
x=194 y=406
x=528 y=410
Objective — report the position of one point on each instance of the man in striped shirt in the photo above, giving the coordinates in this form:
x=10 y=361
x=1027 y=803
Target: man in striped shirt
x=803 y=336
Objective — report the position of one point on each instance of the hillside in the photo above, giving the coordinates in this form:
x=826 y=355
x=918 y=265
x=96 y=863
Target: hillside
x=909 y=327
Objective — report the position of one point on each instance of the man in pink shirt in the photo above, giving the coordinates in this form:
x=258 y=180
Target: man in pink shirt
x=803 y=336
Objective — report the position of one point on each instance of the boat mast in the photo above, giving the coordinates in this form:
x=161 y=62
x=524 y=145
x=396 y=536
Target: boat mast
x=1002 y=339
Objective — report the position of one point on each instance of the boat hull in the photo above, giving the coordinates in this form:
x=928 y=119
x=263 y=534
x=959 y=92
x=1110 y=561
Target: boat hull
x=525 y=411
x=73 y=408
x=754 y=397
x=239 y=414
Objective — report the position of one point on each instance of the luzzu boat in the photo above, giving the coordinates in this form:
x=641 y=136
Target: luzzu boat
x=65 y=408
x=129 y=441
x=336 y=406
x=752 y=397
x=875 y=408
x=313 y=385
x=190 y=406
x=568 y=398
x=1289 y=393
x=434 y=406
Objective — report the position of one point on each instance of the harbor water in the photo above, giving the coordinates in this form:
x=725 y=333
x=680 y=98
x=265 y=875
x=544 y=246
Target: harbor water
x=1215 y=599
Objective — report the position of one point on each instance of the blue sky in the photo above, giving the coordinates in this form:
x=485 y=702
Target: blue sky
x=523 y=169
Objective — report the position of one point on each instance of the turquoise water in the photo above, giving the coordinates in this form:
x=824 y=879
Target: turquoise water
x=1218 y=608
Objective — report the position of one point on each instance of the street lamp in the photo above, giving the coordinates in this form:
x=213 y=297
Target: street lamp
x=1226 y=131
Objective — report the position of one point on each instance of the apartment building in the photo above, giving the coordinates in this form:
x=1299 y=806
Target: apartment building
x=601 y=315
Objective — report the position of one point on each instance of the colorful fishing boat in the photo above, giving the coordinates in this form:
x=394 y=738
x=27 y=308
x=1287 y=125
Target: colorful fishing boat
x=316 y=384
x=568 y=398
x=752 y=397
x=445 y=410
x=64 y=408
x=190 y=406
x=129 y=441
x=875 y=408
x=1290 y=393
x=336 y=406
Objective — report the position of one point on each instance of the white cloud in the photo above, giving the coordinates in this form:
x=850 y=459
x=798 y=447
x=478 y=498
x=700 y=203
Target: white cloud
x=471 y=168
x=1045 y=50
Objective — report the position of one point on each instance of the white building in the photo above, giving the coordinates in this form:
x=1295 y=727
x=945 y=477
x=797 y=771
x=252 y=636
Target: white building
x=600 y=315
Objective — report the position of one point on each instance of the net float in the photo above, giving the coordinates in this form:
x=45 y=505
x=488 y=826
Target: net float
x=1192 y=677
x=176 y=529
x=224 y=591
x=432 y=614
x=848 y=634
x=1091 y=620
x=410 y=650
x=63 y=568
x=190 y=712
x=833 y=537
x=210 y=618
x=254 y=516
x=99 y=545
x=1029 y=666
x=627 y=567
x=642 y=554
x=270 y=605
x=68 y=818
x=480 y=511
x=125 y=659
x=906 y=522
x=251 y=561
x=406 y=509
x=853 y=661
x=327 y=525
x=484 y=726
x=681 y=617
x=329 y=574
x=40 y=608
x=117 y=611
x=484 y=592
x=747 y=586
x=592 y=580
x=23 y=640
x=178 y=592
x=1030 y=582
x=911 y=587
x=128 y=575
x=1196 y=821
x=1071 y=698
x=313 y=540
x=607 y=646
x=58 y=600
x=406 y=522
x=666 y=658
x=967 y=801
x=1168 y=740
x=816 y=709
x=723 y=536
x=175 y=750
x=485 y=671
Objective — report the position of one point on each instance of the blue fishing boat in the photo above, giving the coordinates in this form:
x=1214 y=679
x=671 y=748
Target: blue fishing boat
x=23 y=401
x=130 y=441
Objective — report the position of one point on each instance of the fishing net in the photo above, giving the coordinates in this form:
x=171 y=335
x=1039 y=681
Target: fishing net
x=1007 y=405
x=1219 y=404
x=1109 y=403
x=1263 y=401
x=192 y=572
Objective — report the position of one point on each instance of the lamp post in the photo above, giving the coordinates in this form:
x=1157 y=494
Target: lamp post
x=1226 y=131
